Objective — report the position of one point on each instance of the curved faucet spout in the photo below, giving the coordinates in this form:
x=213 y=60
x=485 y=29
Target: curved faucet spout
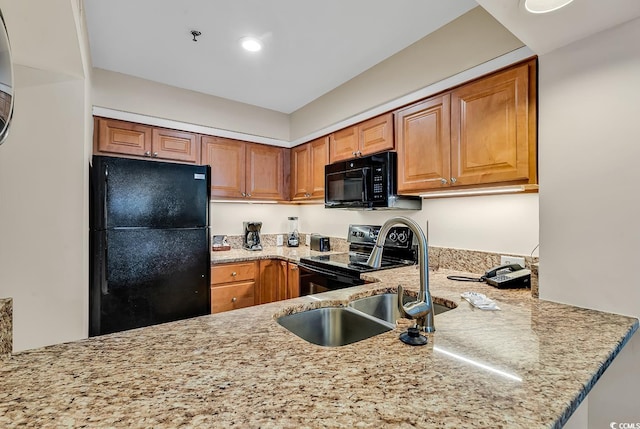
x=422 y=309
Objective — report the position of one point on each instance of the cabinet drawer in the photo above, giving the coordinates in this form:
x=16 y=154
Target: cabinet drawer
x=233 y=273
x=232 y=296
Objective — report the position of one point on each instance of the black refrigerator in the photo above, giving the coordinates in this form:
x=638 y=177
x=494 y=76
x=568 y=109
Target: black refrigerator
x=149 y=243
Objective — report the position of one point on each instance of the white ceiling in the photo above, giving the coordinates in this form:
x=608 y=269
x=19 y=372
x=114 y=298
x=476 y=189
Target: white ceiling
x=309 y=47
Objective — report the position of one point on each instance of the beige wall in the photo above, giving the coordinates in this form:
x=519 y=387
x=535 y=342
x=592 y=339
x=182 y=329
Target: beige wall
x=472 y=39
x=589 y=230
x=43 y=178
x=130 y=94
x=499 y=223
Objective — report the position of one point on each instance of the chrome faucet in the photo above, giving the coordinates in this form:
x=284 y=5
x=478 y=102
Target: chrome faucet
x=422 y=309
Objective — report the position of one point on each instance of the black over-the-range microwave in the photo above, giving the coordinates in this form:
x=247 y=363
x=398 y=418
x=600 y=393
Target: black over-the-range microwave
x=366 y=183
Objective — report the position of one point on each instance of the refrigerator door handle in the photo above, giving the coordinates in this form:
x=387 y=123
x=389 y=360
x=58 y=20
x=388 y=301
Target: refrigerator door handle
x=104 y=284
x=106 y=191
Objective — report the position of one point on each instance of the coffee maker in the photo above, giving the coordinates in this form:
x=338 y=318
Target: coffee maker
x=252 y=235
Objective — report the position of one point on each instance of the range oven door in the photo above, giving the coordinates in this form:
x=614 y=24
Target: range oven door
x=317 y=280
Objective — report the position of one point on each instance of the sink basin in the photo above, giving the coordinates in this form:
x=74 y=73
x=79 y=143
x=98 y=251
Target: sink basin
x=333 y=326
x=385 y=306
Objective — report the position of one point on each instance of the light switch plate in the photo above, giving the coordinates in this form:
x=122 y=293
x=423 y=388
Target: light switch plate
x=279 y=240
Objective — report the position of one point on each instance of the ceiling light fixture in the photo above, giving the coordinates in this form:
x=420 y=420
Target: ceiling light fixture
x=544 y=6
x=251 y=44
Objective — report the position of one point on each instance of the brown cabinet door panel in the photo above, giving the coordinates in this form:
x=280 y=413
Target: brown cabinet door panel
x=124 y=138
x=175 y=145
x=423 y=142
x=300 y=174
x=273 y=280
x=490 y=129
x=293 y=281
x=265 y=172
x=376 y=135
x=319 y=158
x=232 y=296
x=227 y=160
x=343 y=144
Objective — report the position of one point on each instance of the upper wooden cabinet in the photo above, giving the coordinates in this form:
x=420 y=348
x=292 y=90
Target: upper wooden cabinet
x=365 y=138
x=131 y=139
x=244 y=170
x=481 y=133
x=307 y=169
x=176 y=145
x=423 y=143
x=493 y=129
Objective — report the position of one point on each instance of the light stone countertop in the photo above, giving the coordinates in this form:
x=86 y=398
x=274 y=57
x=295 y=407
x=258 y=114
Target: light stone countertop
x=525 y=366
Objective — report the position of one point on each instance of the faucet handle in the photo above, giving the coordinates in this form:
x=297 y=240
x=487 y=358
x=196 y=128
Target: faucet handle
x=403 y=313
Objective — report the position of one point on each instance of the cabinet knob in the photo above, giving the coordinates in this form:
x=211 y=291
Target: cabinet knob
x=244 y=194
x=147 y=153
x=453 y=180
x=307 y=195
x=248 y=195
x=354 y=153
x=443 y=181
x=155 y=154
x=233 y=274
x=234 y=299
x=358 y=153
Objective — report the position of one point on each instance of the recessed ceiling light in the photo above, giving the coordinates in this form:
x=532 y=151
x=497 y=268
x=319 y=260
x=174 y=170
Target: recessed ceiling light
x=544 y=6
x=251 y=44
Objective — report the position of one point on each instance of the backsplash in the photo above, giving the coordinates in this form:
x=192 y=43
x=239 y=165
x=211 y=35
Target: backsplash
x=470 y=261
x=6 y=327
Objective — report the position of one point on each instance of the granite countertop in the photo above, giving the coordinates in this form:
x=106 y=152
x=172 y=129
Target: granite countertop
x=525 y=366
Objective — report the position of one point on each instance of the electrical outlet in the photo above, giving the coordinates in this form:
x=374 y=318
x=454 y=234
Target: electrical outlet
x=506 y=260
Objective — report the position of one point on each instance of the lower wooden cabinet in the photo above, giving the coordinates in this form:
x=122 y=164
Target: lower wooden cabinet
x=243 y=284
x=273 y=280
x=293 y=281
x=233 y=286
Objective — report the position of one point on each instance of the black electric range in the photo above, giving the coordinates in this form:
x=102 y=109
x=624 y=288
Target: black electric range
x=339 y=270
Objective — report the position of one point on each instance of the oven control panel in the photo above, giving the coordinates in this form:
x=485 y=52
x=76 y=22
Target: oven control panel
x=399 y=236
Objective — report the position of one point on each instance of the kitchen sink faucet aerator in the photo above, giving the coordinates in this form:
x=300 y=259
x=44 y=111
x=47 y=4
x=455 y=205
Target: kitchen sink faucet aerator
x=422 y=309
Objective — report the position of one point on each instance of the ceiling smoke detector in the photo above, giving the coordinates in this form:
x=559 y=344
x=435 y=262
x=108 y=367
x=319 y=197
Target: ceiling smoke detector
x=251 y=44
x=544 y=6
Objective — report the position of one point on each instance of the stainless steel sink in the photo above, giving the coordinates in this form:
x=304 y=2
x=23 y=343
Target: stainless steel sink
x=385 y=306
x=333 y=326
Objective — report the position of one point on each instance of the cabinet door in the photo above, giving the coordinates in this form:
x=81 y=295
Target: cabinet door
x=265 y=172
x=175 y=145
x=227 y=160
x=293 y=281
x=300 y=174
x=123 y=138
x=319 y=150
x=490 y=129
x=376 y=135
x=232 y=296
x=273 y=280
x=423 y=141
x=343 y=144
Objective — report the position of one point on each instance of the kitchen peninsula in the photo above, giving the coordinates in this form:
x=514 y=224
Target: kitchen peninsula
x=527 y=365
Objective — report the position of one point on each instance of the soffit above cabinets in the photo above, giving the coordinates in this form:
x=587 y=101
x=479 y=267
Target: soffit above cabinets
x=546 y=32
x=309 y=47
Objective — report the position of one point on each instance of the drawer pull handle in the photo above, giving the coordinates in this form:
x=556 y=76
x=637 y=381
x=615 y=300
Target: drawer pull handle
x=234 y=299
x=233 y=274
